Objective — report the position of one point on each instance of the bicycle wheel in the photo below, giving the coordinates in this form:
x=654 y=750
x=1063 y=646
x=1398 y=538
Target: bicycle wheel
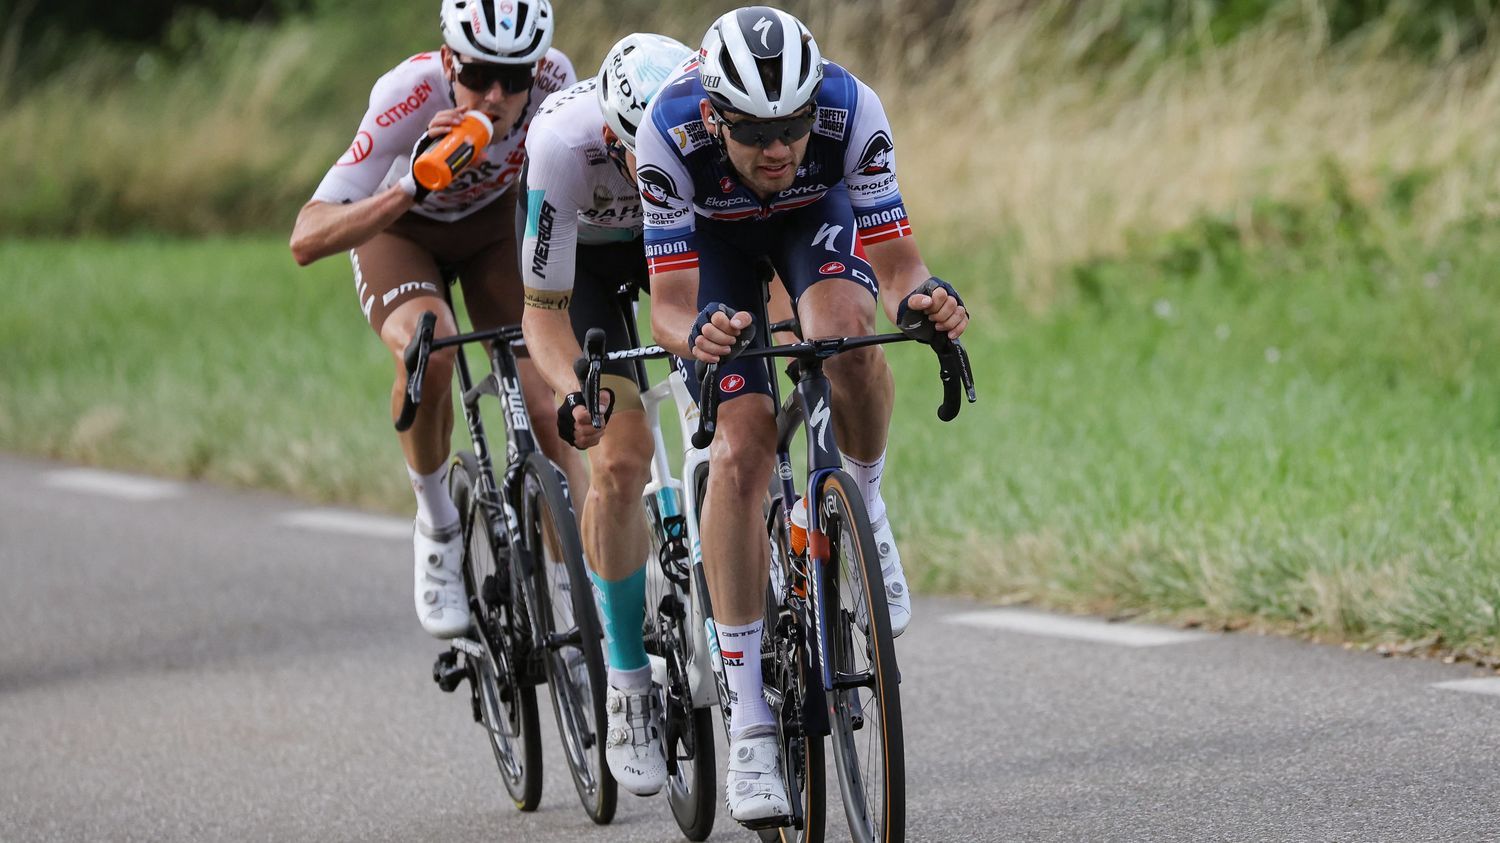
x=569 y=626
x=787 y=674
x=866 y=700
x=502 y=703
x=689 y=740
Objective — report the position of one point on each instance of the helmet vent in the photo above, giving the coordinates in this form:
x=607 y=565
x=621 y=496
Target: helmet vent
x=521 y=13
x=488 y=7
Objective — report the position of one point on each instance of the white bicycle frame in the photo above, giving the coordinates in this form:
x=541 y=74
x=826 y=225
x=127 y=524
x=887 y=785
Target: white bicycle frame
x=704 y=663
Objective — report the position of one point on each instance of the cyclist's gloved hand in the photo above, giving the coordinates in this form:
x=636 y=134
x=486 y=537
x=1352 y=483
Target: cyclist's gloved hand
x=409 y=182
x=932 y=308
x=725 y=334
x=573 y=422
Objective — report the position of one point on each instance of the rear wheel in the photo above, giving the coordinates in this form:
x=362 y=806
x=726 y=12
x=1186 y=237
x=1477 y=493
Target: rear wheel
x=865 y=707
x=502 y=703
x=569 y=627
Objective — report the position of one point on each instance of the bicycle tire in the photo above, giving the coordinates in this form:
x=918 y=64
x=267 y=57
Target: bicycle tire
x=692 y=791
x=786 y=670
x=503 y=704
x=560 y=579
x=862 y=646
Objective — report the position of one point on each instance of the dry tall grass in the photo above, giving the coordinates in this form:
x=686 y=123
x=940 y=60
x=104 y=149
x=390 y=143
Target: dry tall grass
x=1003 y=128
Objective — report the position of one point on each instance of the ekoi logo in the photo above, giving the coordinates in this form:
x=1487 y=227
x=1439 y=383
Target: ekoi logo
x=358 y=151
x=731 y=383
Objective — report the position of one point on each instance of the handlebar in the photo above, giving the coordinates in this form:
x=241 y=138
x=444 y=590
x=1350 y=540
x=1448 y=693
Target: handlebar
x=588 y=368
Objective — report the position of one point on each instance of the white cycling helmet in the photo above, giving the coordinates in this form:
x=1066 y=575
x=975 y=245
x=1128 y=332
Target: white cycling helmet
x=498 y=31
x=632 y=73
x=760 y=61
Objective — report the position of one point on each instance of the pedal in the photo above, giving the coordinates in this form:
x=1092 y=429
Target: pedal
x=447 y=672
x=769 y=823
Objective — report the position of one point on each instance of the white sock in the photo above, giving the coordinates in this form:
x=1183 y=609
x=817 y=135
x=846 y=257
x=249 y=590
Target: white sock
x=867 y=475
x=740 y=648
x=435 y=510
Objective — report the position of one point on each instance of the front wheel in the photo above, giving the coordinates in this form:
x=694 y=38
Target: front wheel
x=503 y=704
x=865 y=705
x=569 y=629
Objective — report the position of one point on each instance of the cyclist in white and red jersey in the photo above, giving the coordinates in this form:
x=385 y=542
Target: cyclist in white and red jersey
x=583 y=243
x=766 y=151
x=496 y=58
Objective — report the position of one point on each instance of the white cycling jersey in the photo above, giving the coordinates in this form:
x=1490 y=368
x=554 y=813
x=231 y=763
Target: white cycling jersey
x=575 y=193
x=402 y=103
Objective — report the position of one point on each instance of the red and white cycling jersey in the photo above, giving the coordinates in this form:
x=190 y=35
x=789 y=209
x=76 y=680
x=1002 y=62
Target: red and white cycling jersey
x=402 y=103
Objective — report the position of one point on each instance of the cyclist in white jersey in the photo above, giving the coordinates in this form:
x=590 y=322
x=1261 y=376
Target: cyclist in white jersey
x=496 y=58
x=765 y=150
x=583 y=242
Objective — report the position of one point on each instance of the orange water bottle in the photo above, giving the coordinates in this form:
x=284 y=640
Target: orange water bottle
x=435 y=168
x=798 y=533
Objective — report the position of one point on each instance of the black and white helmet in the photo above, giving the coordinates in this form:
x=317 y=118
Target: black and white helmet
x=632 y=73
x=498 y=31
x=760 y=61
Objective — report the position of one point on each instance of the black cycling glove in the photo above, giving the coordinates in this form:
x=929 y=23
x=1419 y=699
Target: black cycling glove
x=705 y=316
x=409 y=181
x=567 y=426
x=916 y=323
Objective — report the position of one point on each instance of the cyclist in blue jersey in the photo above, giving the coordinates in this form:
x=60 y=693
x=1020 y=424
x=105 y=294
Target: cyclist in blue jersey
x=763 y=150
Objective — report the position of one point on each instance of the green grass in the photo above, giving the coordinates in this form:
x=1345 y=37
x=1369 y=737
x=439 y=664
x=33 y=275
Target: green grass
x=1297 y=431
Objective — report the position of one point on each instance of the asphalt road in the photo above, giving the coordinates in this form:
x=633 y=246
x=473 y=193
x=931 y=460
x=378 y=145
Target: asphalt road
x=179 y=662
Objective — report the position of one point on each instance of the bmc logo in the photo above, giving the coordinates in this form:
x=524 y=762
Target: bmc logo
x=831 y=268
x=731 y=383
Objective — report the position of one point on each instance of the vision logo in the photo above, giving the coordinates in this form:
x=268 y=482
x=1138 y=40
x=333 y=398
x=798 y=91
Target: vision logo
x=657 y=187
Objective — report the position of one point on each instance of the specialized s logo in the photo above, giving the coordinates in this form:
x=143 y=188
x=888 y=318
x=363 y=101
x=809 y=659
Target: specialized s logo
x=876 y=159
x=819 y=423
x=657 y=187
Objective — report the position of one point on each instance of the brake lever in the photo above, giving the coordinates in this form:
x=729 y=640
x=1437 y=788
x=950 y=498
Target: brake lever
x=588 y=368
x=415 y=358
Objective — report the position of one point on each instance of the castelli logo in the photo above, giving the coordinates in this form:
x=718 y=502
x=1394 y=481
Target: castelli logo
x=358 y=151
x=731 y=383
x=831 y=268
x=506 y=8
x=726 y=185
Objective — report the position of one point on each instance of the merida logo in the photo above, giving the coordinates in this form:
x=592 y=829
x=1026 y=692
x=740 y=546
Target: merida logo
x=543 y=239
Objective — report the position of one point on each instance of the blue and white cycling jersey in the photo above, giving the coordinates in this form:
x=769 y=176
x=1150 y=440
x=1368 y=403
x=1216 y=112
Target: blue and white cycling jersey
x=682 y=174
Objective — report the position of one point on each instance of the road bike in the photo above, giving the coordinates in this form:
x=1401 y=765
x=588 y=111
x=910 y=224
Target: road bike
x=530 y=598
x=828 y=657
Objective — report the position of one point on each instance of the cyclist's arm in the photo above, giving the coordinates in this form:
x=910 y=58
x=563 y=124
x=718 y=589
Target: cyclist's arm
x=556 y=182
x=899 y=269
x=326 y=228
x=351 y=205
x=674 y=308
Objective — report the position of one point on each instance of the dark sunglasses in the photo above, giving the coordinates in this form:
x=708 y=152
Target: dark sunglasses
x=479 y=76
x=763 y=133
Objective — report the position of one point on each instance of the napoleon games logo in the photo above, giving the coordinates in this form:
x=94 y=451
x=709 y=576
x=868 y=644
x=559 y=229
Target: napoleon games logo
x=876 y=159
x=731 y=383
x=657 y=187
x=358 y=151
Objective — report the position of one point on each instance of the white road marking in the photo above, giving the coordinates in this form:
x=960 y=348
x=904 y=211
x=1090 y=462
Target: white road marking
x=1030 y=622
x=352 y=523
x=1482 y=685
x=114 y=485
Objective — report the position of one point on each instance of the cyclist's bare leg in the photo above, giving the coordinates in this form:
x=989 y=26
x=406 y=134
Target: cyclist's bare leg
x=736 y=555
x=541 y=404
x=425 y=443
x=614 y=533
x=863 y=390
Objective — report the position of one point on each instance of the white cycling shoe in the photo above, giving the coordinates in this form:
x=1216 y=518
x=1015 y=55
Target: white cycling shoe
x=753 y=789
x=633 y=746
x=897 y=595
x=442 y=604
